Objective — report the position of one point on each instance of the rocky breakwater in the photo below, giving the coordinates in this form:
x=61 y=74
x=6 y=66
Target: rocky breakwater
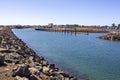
x=114 y=36
x=19 y=62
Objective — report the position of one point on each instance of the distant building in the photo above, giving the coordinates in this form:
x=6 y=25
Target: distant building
x=118 y=26
x=113 y=25
x=61 y=26
x=50 y=25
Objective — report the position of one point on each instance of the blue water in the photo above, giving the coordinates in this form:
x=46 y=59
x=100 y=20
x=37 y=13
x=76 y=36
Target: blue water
x=80 y=54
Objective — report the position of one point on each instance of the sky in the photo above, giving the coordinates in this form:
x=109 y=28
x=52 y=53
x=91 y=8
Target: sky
x=42 y=12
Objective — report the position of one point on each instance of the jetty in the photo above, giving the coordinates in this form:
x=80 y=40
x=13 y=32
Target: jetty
x=23 y=63
x=113 y=36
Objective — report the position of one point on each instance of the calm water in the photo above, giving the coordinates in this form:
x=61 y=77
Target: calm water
x=80 y=54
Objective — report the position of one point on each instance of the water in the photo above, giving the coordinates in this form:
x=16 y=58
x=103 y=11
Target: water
x=80 y=54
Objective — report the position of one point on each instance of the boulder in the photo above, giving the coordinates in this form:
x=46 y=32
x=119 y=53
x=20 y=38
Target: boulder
x=32 y=78
x=114 y=36
x=4 y=50
x=65 y=74
x=0 y=39
x=37 y=59
x=13 y=57
x=34 y=71
x=22 y=71
x=46 y=70
x=38 y=66
x=20 y=78
x=52 y=66
x=44 y=77
x=44 y=63
x=2 y=59
x=67 y=78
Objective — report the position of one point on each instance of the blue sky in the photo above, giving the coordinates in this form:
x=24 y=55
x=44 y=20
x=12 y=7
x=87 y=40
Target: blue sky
x=82 y=12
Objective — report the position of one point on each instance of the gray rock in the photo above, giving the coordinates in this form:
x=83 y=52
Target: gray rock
x=65 y=74
x=46 y=70
x=12 y=57
x=52 y=66
x=39 y=68
x=32 y=78
x=34 y=71
x=2 y=58
x=38 y=59
x=22 y=71
x=44 y=63
x=57 y=77
x=67 y=78
x=20 y=78
x=114 y=36
x=4 y=50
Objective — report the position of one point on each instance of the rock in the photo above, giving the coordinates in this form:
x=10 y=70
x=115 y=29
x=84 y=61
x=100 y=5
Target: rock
x=37 y=64
x=45 y=77
x=54 y=78
x=22 y=71
x=31 y=62
x=114 y=36
x=65 y=74
x=75 y=79
x=12 y=57
x=67 y=78
x=3 y=50
x=52 y=66
x=57 y=77
x=32 y=78
x=31 y=58
x=38 y=59
x=46 y=70
x=20 y=78
x=0 y=39
x=44 y=63
x=21 y=52
x=2 y=59
x=34 y=71
x=39 y=68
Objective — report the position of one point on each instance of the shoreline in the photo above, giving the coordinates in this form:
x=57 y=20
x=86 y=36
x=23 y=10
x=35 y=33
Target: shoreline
x=39 y=68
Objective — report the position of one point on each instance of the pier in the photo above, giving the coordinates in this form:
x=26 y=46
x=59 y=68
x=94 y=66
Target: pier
x=73 y=30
